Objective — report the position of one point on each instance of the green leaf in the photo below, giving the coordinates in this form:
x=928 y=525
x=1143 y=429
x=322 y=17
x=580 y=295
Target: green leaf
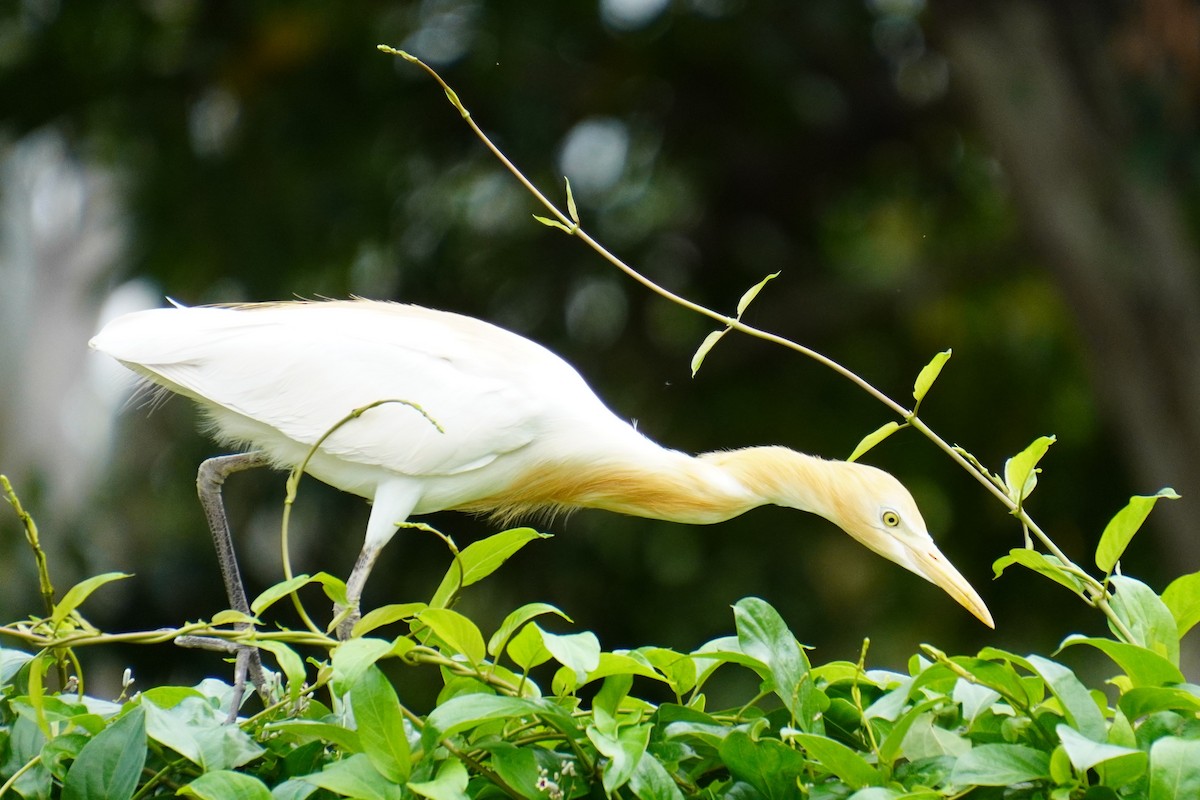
x=1174 y=769
x=890 y=747
x=353 y=657
x=702 y=351
x=1000 y=765
x=279 y=591
x=355 y=777
x=752 y=293
x=579 y=652
x=518 y=767
x=768 y=765
x=840 y=760
x=224 y=785
x=458 y=633
x=290 y=664
x=1040 y=563
x=873 y=438
x=1146 y=616
x=470 y=710
x=110 y=764
x=553 y=223
x=307 y=730
x=572 y=211
x=1020 y=471
x=1086 y=754
x=1076 y=700
x=1143 y=701
x=1182 y=598
x=385 y=615
x=515 y=620
x=623 y=750
x=763 y=635
x=651 y=781
x=480 y=559
x=526 y=648
x=928 y=374
x=1121 y=528
x=80 y=592
x=197 y=731
x=380 y=724
x=1144 y=667
x=450 y=783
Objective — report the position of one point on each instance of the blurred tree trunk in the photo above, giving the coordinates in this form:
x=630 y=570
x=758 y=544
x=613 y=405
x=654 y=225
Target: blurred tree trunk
x=1043 y=86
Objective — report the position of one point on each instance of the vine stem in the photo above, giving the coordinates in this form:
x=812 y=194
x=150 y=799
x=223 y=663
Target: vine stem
x=1096 y=595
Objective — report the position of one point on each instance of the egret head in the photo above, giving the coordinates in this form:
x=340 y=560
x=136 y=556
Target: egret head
x=876 y=509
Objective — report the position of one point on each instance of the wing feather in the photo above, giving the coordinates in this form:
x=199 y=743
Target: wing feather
x=299 y=368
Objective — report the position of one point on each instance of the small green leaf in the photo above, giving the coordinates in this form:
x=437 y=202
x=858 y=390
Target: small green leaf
x=705 y=346
x=457 y=632
x=277 y=592
x=380 y=723
x=110 y=764
x=752 y=293
x=1144 y=667
x=450 y=783
x=1040 y=563
x=1086 y=754
x=873 y=438
x=1141 y=702
x=480 y=559
x=1174 y=769
x=471 y=710
x=1182 y=598
x=353 y=657
x=623 y=750
x=355 y=777
x=290 y=664
x=579 y=652
x=1000 y=765
x=307 y=730
x=1121 y=528
x=769 y=765
x=386 y=615
x=651 y=781
x=75 y=596
x=1146 y=616
x=928 y=374
x=763 y=635
x=1077 y=702
x=1020 y=471
x=552 y=223
x=515 y=620
x=222 y=785
x=572 y=211
x=840 y=760
x=526 y=648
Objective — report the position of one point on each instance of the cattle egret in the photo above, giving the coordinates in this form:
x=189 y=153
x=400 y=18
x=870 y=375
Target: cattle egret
x=518 y=429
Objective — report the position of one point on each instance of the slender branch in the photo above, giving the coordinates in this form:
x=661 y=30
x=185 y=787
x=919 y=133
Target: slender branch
x=1097 y=593
x=31 y=536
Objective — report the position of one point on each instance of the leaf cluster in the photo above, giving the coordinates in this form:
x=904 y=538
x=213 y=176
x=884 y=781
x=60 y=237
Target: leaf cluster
x=526 y=712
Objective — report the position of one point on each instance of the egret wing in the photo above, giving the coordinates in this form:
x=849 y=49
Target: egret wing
x=300 y=368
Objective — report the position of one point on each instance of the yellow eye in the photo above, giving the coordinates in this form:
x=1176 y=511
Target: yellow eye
x=890 y=519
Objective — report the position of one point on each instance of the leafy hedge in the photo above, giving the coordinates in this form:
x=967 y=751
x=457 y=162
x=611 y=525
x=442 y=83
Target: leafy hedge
x=996 y=724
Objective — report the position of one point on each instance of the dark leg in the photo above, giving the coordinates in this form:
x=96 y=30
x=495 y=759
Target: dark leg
x=209 y=480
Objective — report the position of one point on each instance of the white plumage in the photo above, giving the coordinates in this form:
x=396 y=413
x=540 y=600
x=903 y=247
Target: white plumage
x=519 y=428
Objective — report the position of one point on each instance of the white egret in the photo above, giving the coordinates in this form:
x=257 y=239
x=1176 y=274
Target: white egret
x=520 y=430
